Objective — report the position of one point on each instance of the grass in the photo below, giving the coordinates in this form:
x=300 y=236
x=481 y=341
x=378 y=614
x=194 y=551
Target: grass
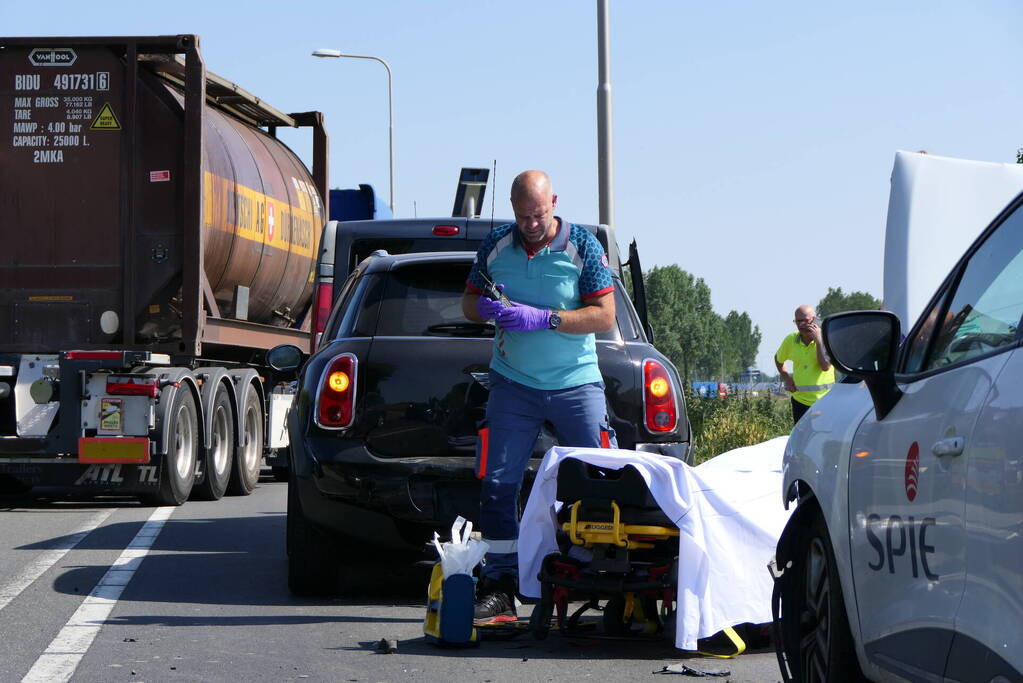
x=720 y=425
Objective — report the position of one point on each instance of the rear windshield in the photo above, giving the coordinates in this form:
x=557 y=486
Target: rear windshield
x=425 y=299
x=361 y=248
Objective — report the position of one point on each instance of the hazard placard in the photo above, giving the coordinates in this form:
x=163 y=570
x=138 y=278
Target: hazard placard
x=105 y=119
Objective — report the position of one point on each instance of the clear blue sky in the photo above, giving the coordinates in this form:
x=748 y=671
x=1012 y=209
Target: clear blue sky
x=753 y=141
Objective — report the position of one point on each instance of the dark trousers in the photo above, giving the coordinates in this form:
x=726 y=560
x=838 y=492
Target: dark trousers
x=798 y=410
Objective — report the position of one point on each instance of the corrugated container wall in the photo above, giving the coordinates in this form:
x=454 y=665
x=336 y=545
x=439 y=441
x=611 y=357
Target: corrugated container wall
x=69 y=157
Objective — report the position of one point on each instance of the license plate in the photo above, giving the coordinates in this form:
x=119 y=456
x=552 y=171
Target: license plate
x=110 y=411
x=99 y=450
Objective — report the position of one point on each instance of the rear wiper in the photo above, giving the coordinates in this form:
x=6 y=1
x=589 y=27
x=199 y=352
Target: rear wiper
x=466 y=327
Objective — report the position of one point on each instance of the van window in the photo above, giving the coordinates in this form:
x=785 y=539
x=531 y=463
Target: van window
x=361 y=248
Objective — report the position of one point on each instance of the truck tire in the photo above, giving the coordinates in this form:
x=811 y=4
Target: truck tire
x=217 y=459
x=177 y=469
x=815 y=627
x=312 y=554
x=248 y=455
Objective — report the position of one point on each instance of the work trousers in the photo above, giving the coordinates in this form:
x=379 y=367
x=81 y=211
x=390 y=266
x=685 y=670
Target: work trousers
x=515 y=415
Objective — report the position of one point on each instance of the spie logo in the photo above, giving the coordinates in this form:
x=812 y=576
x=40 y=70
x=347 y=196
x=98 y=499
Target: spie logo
x=912 y=471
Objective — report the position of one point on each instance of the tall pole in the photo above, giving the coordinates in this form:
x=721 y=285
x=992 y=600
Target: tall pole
x=605 y=157
x=390 y=109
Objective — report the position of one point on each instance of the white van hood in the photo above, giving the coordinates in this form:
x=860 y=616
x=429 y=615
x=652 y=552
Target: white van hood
x=937 y=207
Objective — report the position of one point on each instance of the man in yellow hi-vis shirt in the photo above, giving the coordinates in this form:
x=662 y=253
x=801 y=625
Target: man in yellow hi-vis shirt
x=812 y=375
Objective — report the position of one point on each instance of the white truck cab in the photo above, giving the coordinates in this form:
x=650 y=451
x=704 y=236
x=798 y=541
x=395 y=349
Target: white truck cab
x=904 y=557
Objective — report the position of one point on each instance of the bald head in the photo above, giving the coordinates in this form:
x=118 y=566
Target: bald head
x=533 y=202
x=806 y=321
x=531 y=184
x=805 y=311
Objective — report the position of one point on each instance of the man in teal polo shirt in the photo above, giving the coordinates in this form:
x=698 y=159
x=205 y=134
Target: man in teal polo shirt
x=544 y=362
x=812 y=375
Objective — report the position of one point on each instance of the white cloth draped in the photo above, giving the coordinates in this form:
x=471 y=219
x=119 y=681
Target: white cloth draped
x=729 y=513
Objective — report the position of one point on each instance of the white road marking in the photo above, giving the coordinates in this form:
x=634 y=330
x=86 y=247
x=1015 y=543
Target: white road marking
x=61 y=658
x=48 y=558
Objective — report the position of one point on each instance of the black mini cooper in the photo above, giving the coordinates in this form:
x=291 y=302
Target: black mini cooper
x=383 y=431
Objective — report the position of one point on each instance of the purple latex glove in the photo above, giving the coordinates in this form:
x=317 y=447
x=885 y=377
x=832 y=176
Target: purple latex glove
x=522 y=318
x=488 y=308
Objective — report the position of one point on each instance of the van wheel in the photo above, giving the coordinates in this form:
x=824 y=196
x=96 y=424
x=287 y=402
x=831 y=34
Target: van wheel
x=177 y=469
x=815 y=626
x=312 y=554
x=248 y=456
x=217 y=458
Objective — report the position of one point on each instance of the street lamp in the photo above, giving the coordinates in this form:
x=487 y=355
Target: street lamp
x=390 y=107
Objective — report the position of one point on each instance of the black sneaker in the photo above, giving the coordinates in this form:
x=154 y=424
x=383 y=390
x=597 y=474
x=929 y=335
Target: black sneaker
x=494 y=603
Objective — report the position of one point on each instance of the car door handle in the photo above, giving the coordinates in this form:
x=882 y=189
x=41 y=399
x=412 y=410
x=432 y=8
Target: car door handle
x=951 y=446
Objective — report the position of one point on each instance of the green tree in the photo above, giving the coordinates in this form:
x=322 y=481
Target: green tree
x=682 y=319
x=741 y=342
x=836 y=301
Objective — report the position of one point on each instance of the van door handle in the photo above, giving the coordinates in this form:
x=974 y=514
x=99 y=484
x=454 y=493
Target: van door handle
x=953 y=445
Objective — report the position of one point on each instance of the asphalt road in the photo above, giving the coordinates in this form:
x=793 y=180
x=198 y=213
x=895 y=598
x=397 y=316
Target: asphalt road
x=107 y=590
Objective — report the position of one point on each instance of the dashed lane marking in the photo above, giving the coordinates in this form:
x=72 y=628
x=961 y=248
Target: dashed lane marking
x=48 y=558
x=61 y=658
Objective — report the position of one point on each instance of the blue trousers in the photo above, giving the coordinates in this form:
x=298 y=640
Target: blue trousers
x=515 y=415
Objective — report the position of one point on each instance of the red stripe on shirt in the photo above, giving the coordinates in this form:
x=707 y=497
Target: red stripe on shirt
x=599 y=292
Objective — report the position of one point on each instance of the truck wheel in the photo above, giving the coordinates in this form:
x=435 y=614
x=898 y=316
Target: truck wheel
x=248 y=456
x=815 y=627
x=177 y=471
x=312 y=554
x=217 y=458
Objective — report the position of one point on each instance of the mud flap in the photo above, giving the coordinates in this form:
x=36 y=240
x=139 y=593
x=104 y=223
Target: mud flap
x=778 y=574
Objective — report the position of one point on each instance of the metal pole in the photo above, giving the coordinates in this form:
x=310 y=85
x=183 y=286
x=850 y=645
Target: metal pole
x=390 y=109
x=605 y=161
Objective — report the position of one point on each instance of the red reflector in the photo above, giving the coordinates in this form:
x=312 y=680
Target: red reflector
x=445 y=230
x=93 y=355
x=658 y=398
x=133 y=386
x=335 y=399
x=324 y=299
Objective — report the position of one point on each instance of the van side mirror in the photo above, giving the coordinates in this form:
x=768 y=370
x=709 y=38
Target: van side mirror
x=865 y=345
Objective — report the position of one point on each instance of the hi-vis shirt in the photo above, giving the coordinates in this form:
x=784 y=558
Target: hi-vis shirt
x=561 y=276
x=811 y=382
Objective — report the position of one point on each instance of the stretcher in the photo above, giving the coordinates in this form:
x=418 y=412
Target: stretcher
x=618 y=555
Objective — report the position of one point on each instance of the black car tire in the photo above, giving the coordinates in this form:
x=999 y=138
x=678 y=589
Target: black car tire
x=312 y=554
x=177 y=467
x=248 y=455
x=217 y=459
x=815 y=627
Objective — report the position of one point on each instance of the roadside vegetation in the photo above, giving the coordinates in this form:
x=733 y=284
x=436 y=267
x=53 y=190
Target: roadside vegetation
x=721 y=424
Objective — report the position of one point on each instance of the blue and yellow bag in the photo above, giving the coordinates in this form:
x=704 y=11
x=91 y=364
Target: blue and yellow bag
x=449 y=610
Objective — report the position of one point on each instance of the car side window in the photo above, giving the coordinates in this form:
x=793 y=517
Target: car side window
x=986 y=304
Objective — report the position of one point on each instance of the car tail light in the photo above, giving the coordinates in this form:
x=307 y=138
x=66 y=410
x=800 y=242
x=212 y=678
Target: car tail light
x=93 y=355
x=335 y=398
x=324 y=297
x=133 y=386
x=658 y=398
x=445 y=230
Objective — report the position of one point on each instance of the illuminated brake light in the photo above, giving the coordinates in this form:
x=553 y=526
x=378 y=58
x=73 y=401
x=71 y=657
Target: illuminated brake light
x=335 y=398
x=133 y=386
x=445 y=230
x=658 y=398
x=324 y=299
x=93 y=355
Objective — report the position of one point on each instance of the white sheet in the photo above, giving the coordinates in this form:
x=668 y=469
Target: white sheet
x=728 y=511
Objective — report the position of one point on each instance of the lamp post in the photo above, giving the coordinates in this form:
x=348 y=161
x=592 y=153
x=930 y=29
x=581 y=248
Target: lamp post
x=390 y=108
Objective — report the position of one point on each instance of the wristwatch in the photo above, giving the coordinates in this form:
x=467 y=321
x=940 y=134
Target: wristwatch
x=554 y=322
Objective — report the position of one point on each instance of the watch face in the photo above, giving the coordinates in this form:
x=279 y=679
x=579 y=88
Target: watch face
x=555 y=320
